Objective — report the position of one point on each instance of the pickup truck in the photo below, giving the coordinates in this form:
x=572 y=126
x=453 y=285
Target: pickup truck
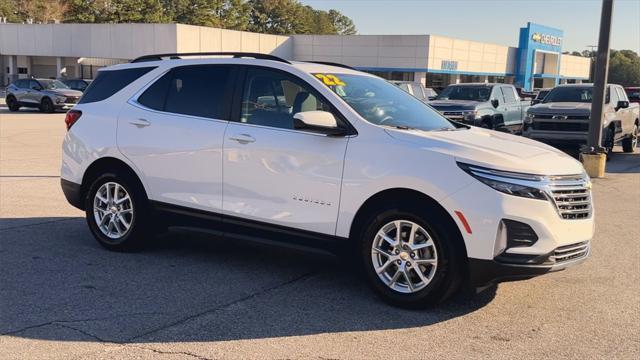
x=492 y=106
x=416 y=89
x=563 y=117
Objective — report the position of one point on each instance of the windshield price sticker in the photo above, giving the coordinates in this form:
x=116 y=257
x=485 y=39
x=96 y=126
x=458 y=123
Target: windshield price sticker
x=330 y=80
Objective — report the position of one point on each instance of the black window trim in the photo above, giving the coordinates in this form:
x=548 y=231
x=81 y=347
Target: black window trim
x=151 y=69
x=229 y=93
x=238 y=93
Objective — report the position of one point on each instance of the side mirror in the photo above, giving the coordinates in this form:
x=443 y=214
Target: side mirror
x=317 y=121
x=622 y=105
x=495 y=103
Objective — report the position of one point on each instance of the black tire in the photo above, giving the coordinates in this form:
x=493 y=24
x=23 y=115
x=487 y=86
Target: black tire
x=448 y=274
x=630 y=143
x=12 y=103
x=46 y=105
x=608 y=142
x=140 y=221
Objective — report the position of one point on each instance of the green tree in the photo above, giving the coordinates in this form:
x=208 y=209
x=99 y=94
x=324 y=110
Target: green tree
x=120 y=11
x=8 y=9
x=624 y=68
x=343 y=25
x=278 y=17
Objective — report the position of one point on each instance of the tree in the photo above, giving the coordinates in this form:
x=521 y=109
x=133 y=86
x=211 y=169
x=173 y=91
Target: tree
x=8 y=9
x=576 y=53
x=342 y=24
x=120 y=11
x=38 y=11
x=278 y=17
x=624 y=68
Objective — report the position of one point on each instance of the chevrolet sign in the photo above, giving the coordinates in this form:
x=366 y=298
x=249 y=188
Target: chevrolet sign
x=546 y=39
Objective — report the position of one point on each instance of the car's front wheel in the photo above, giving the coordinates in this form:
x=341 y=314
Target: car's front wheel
x=12 y=103
x=46 y=105
x=408 y=258
x=630 y=143
x=117 y=214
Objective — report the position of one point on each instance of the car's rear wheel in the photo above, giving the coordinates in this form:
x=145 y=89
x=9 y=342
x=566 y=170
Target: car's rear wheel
x=46 y=105
x=12 y=103
x=630 y=143
x=117 y=212
x=408 y=258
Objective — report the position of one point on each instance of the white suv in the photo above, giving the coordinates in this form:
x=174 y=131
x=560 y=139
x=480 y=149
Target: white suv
x=255 y=147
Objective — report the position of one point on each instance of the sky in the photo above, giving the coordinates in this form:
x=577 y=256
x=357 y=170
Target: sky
x=493 y=21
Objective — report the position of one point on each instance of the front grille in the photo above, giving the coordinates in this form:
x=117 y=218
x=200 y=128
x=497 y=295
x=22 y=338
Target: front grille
x=560 y=126
x=453 y=115
x=571 y=252
x=72 y=99
x=561 y=117
x=571 y=196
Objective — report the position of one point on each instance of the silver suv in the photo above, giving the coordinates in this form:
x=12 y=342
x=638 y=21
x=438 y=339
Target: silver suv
x=46 y=94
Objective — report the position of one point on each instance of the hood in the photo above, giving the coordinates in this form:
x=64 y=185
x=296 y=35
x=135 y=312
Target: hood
x=494 y=149
x=453 y=105
x=65 y=92
x=564 y=108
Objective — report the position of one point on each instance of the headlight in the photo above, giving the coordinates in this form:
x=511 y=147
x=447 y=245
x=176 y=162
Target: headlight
x=512 y=183
x=469 y=114
x=60 y=99
x=529 y=118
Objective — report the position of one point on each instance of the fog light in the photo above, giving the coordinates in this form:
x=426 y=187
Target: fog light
x=519 y=234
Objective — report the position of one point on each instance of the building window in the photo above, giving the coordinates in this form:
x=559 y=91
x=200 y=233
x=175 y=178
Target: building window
x=23 y=70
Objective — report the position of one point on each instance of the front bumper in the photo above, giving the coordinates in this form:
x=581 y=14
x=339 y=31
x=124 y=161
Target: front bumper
x=484 y=273
x=557 y=136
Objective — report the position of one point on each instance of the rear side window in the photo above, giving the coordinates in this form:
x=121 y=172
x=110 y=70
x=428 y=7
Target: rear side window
x=198 y=91
x=156 y=94
x=110 y=82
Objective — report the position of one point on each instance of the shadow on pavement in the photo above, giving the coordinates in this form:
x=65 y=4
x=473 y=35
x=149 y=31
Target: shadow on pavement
x=59 y=284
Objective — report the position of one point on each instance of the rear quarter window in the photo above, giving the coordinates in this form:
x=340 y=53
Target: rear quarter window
x=110 y=82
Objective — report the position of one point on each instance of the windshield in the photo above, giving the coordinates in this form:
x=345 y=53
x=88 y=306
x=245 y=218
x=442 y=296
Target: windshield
x=472 y=93
x=542 y=94
x=570 y=94
x=383 y=103
x=52 y=84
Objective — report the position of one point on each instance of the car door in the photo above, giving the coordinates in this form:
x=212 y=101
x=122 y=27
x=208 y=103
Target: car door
x=512 y=110
x=33 y=92
x=273 y=173
x=173 y=133
x=626 y=115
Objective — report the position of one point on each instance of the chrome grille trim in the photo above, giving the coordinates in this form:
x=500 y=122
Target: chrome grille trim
x=571 y=252
x=571 y=197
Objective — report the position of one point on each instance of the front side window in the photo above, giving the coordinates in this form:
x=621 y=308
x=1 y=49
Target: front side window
x=382 y=103
x=465 y=92
x=271 y=98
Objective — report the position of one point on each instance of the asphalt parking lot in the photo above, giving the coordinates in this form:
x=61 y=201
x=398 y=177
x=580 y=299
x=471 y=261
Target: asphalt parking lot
x=191 y=296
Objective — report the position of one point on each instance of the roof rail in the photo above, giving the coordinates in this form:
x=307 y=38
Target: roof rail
x=156 y=57
x=332 y=64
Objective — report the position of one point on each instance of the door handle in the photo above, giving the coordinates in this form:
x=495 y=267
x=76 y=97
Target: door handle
x=140 y=122
x=242 y=138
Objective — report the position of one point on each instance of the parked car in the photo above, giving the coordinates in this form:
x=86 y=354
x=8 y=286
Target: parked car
x=563 y=117
x=492 y=106
x=337 y=158
x=46 y=94
x=540 y=96
x=633 y=93
x=416 y=89
x=77 y=84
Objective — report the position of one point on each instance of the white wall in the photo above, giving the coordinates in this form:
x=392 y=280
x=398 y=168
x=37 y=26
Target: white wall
x=471 y=56
x=575 y=66
x=372 y=51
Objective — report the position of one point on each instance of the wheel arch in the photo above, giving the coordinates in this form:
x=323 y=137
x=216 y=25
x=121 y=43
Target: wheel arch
x=390 y=197
x=108 y=164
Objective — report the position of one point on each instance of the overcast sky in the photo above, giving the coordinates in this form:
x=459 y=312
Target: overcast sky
x=495 y=21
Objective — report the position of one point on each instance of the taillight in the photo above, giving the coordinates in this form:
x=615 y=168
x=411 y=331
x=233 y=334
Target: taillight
x=72 y=117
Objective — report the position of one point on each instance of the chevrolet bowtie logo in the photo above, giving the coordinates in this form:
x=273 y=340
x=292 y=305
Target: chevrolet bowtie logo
x=536 y=37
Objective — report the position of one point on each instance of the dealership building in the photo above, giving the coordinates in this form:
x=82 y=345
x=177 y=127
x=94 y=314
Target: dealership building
x=79 y=50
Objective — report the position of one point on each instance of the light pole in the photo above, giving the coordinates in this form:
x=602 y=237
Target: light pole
x=593 y=153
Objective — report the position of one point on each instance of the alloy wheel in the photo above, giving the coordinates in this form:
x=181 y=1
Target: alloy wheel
x=113 y=210
x=404 y=256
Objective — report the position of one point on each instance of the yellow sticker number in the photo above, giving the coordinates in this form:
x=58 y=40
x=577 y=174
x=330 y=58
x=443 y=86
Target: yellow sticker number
x=330 y=80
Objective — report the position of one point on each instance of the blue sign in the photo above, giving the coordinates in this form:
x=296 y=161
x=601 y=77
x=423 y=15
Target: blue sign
x=535 y=37
x=449 y=65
